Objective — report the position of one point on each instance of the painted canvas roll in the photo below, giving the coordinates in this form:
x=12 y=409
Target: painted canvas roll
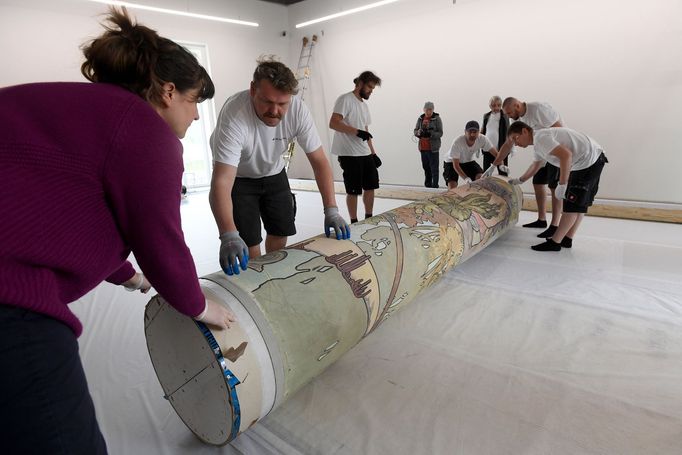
x=299 y=309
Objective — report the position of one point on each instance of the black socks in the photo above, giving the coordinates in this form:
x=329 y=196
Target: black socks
x=547 y=233
x=536 y=224
x=549 y=245
x=353 y=220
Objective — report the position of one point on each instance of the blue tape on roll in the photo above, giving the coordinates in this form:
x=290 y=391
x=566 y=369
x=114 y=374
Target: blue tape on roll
x=230 y=379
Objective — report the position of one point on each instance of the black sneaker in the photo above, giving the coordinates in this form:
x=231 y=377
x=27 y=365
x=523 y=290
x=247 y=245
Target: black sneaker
x=549 y=245
x=536 y=224
x=566 y=242
x=547 y=233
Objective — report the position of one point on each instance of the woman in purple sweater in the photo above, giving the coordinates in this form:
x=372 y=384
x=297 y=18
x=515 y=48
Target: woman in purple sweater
x=90 y=172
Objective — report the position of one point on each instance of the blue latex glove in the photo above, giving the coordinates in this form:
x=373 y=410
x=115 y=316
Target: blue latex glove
x=233 y=253
x=332 y=220
x=560 y=191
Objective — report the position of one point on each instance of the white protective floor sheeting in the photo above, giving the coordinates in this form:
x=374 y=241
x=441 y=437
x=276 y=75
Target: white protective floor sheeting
x=513 y=352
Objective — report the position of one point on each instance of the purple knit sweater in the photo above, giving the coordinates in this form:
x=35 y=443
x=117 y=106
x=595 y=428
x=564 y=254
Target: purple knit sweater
x=88 y=173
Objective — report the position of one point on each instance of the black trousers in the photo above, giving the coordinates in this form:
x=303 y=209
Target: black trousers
x=488 y=159
x=45 y=405
x=430 y=163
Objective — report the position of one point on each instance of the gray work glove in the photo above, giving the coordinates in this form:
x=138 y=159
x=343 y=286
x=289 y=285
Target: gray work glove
x=503 y=168
x=332 y=220
x=515 y=181
x=233 y=253
x=560 y=191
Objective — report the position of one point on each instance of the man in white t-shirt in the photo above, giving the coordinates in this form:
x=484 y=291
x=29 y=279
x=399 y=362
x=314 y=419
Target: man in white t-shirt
x=464 y=152
x=580 y=160
x=538 y=115
x=249 y=182
x=353 y=144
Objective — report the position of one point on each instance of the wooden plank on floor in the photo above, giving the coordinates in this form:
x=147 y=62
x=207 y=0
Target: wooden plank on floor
x=611 y=210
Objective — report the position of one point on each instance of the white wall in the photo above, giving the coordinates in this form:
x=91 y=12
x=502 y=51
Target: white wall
x=611 y=68
x=40 y=39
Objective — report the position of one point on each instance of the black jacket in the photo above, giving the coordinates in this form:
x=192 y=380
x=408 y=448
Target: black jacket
x=502 y=132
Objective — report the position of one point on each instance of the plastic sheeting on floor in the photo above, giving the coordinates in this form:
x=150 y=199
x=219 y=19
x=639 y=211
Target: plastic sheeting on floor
x=513 y=352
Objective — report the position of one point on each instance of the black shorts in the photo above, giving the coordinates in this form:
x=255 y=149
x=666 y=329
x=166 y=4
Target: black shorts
x=583 y=186
x=449 y=172
x=471 y=169
x=267 y=198
x=359 y=173
x=548 y=175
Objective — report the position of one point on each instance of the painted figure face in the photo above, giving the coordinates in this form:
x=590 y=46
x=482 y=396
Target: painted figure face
x=496 y=106
x=179 y=109
x=269 y=103
x=523 y=140
x=366 y=89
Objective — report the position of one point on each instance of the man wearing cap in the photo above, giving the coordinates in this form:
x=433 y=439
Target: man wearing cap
x=464 y=151
x=429 y=130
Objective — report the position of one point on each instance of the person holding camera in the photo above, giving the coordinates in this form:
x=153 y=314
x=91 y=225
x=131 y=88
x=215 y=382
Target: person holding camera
x=429 y=130
x=580 y=160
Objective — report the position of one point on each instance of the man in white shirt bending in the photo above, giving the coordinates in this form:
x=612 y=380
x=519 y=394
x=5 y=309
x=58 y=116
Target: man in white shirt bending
x=249 y=182
x=537 y=115
x=580 y=160
x=464 y=152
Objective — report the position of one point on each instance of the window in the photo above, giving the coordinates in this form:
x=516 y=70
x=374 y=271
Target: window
x=197 y=155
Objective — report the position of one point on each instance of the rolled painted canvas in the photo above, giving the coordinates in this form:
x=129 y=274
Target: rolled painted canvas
x=299 y=309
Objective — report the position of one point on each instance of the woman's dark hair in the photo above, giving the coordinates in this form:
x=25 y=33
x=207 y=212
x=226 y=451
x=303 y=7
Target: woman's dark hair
x=366 y=77
x=136 y=58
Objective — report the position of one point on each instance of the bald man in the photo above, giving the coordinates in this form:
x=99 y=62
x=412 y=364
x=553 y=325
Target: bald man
x=537 y=115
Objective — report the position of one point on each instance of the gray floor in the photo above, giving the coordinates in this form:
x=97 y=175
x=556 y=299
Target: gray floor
x=513 y=352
